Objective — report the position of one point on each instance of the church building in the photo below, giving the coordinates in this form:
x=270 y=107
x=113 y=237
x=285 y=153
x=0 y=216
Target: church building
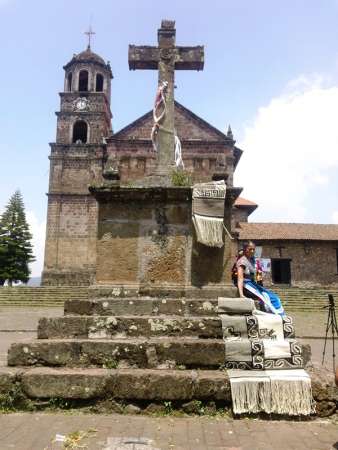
x=78 y=158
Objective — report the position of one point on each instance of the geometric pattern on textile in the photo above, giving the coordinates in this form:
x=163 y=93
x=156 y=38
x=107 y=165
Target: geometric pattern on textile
x=247 y=327
x=250 y=354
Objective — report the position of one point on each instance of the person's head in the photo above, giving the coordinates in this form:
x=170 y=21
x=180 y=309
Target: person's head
x=249 y=249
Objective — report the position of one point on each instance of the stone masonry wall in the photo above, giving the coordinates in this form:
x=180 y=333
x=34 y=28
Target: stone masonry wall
x=70 y=251
x=148 y=239
x=312 y=262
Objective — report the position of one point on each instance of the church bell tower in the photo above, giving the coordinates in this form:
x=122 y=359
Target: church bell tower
x=76 y=161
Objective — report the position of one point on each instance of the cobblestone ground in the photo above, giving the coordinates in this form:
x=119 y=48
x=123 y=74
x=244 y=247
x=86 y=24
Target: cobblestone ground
x=114 y=432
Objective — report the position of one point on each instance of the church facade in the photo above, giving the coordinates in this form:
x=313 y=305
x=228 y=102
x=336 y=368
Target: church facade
x=85 y=144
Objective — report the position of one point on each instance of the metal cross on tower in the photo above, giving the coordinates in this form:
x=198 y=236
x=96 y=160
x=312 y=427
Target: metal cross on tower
x=166 y=58
x=89 y=33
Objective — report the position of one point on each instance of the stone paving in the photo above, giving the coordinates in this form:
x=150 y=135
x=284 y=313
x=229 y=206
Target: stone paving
x=24 y=431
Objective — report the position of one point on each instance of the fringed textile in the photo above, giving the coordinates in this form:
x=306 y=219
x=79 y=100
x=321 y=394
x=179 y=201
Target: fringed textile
x=285 y=392
x=208 y=212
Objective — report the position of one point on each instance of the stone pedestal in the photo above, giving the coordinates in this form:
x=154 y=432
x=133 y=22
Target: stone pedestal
x=146 y=239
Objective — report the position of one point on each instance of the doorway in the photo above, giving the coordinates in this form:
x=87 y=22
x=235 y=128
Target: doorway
x=281 y=270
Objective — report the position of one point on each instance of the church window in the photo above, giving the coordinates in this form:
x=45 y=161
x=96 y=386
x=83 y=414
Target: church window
x=83 y=81
x=99 y=82
x=69 y=82
x=80 y=132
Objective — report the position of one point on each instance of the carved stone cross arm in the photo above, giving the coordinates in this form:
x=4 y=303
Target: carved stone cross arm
x=146 y=57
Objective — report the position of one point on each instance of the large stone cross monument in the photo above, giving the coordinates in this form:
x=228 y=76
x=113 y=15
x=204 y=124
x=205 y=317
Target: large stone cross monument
x=146 y=240
x=166 y=58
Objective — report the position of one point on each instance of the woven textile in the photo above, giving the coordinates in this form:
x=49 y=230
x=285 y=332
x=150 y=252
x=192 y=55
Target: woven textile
x=259 y=351
x=208 y=212
x=257 y=325
x=235 y=305
x=279 y=392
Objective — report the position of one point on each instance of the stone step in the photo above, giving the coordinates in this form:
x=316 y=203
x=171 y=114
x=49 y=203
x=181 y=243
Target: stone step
x=101 y=327
x=160 y=353
x=142 y=306
x=124 y=384
x=163 y=291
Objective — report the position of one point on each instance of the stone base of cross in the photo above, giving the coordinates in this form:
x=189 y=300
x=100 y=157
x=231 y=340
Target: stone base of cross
x=166 y=58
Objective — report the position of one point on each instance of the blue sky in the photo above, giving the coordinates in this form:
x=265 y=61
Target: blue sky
x=271 y=70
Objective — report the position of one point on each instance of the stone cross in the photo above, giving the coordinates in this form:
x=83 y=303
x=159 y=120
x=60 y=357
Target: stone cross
x=166 y=58
x=89 y=33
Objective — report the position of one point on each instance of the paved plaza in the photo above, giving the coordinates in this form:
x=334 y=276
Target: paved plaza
x=116 y=432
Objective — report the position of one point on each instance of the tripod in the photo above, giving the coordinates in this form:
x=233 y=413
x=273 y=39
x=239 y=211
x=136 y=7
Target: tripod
x=331 y=324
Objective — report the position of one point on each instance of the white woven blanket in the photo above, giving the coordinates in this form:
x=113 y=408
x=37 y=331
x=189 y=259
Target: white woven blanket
x=280 y=392
x=208 y=212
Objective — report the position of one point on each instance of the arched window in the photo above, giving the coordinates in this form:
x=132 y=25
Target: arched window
x=80 y=132
x=83 y=81
x=69 y=82
x=99 y=82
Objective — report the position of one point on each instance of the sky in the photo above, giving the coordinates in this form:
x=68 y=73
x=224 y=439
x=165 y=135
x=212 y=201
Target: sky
x=271 y=71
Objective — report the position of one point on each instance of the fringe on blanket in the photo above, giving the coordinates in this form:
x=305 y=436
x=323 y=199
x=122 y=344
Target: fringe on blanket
x=272 y=393
x=209 y=230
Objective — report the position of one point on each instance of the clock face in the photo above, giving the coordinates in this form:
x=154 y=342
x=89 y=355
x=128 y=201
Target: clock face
x=81 y=104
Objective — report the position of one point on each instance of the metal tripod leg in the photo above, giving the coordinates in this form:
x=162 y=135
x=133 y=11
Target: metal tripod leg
x=326 y=332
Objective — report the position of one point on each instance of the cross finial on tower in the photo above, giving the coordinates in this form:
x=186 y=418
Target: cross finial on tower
x=89 y=33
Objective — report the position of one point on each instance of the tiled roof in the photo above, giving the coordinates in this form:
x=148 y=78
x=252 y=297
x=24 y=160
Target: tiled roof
x=288 y=231
x=240 y=201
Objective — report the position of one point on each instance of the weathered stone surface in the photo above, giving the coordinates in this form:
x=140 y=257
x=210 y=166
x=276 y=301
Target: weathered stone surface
x=109 y=326
x=142 y=306
x=154 y=408
x=141 y=353
x=117 y=252
x=132 y=409
x=325 y=408
x=65 y=383
x=7 y=378
x=192 y=407
x=137 y=384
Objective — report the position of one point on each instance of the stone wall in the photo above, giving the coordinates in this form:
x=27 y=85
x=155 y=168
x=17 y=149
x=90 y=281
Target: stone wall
x=70 y=251
x=312 y=262
x=146 y=237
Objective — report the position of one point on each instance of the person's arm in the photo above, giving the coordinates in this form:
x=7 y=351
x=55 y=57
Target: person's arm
x=240 y=277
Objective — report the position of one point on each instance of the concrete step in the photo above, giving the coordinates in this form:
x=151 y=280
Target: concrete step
x=160 y=353
x=101 y=327
x=124 y=384
x=142 y=306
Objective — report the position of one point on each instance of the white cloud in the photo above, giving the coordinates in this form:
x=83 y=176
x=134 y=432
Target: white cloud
x=289 y=148
x=38 y=230
x=335 y=216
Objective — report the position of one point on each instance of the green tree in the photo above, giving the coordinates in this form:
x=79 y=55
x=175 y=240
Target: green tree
x=16 y=251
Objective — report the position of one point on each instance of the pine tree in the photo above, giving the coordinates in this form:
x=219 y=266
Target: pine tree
x=16 y=251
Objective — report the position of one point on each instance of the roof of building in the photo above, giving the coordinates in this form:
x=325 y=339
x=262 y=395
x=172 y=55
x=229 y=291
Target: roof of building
x=288 y=231
x=240 y=201
x=87 y=56
x=214 y=134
